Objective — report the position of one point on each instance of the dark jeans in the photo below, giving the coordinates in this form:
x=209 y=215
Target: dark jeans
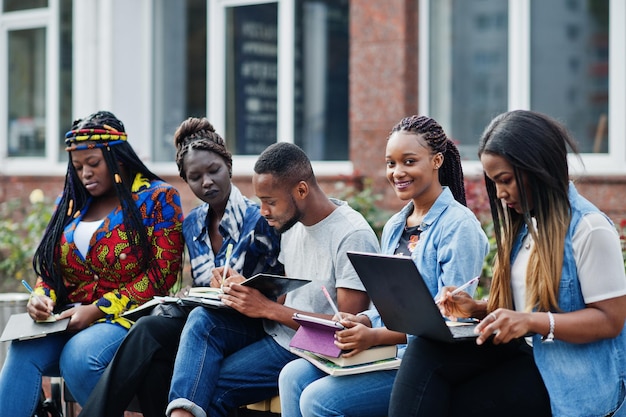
x=141 y=367
x=439 y=379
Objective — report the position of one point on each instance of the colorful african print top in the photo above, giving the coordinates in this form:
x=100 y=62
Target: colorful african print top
x=255 y=243
x=110 y=276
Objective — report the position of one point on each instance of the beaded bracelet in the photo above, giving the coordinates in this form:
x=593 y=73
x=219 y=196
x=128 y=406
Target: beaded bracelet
x=549 y=338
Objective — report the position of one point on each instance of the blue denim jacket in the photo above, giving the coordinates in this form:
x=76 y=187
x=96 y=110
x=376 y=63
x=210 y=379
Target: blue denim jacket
x=582 y=379
x=256 y=245
x=450 y=250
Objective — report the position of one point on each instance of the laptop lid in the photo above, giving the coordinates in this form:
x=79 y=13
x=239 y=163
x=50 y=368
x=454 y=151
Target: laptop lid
x=402 y=298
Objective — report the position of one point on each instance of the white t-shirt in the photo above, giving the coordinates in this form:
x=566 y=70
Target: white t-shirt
x=318 y=253
x=83 y=233
x=598 y=257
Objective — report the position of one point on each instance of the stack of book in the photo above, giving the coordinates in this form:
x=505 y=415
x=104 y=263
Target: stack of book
x=315 y=341
x=376 y=358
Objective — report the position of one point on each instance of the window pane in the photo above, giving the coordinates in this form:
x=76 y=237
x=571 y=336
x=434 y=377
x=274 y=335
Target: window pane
x=13 y=5
x=180 y=69
x=321 y=78
x=251 y=77
x=65 y=75
x=26 y=87
x=468 y=67
x=569 y=67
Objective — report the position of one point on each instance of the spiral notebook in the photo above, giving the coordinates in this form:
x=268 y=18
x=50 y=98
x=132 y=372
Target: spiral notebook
x=403 y=300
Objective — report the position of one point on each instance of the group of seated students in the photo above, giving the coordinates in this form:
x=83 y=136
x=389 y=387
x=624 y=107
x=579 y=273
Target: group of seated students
x=550 y=340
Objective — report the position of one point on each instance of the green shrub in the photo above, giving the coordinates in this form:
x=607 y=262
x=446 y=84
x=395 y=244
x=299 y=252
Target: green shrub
x=21 y=228
x=364 y=201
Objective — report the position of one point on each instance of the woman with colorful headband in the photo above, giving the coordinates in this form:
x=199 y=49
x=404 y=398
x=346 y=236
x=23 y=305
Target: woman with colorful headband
x=114 y=242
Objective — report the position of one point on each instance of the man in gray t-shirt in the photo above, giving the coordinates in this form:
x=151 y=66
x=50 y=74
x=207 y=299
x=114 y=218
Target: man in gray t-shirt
x=226 y=359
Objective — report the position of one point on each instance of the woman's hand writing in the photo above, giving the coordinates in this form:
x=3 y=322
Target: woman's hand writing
x=460 y=305
x=231 y=276
x=39 y=307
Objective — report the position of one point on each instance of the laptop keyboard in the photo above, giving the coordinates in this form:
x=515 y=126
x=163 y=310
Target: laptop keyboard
x=463 y=331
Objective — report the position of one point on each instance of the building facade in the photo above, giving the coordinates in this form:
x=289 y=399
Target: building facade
x=332 y=76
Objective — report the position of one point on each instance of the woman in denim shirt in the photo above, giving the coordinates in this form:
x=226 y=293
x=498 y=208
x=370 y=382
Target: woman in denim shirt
x=558 y=277
x=440 y=234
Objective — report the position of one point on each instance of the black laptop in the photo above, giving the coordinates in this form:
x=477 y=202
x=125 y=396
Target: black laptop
x=402 y=298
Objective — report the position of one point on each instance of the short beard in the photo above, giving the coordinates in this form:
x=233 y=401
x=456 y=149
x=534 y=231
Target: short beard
x=290 y=223
x=293 y=220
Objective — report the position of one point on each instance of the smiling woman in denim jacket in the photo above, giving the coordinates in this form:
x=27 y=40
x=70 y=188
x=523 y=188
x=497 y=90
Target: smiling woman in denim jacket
x=440 y=234
x=558 y=276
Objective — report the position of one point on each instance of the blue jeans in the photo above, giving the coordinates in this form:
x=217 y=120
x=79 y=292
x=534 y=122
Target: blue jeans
x=224 y=360
x=79 y=357
x=307 y=391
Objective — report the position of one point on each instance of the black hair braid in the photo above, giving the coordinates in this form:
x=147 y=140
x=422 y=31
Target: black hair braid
x=134 y=228
x=199 y=134
x=451 y=171
x=45 y=260
x=98 y=120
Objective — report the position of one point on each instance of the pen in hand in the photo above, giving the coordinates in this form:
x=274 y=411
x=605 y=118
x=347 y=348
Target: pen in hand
x=331 y=302
x=229 y=250
x=461 y=288
x=33 y=295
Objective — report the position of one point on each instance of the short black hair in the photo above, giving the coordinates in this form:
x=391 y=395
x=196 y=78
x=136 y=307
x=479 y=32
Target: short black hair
x=285 y=161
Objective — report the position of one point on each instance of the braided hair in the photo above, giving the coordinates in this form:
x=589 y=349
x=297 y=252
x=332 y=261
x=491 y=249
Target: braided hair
x=105 y=131
x=199 y=134
x=450 y=172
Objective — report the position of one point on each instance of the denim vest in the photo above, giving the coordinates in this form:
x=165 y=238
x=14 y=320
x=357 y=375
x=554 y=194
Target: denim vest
x=451 y=247
x=582 y=379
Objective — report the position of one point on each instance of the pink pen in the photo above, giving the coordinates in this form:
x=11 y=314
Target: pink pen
x=331 y=302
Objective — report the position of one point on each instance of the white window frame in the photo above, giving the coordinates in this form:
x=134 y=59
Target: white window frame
x=606 y=164
x=48 y=19
x=216 y=89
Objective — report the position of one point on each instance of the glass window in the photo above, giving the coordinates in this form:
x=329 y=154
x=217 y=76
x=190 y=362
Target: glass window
x=569 y=53
x=317 y=119
x=27 y=92
x=14 y=5
x=180 y=69
x=321 y=78
x=65 y=74
x=251 y=77
x=468 y=64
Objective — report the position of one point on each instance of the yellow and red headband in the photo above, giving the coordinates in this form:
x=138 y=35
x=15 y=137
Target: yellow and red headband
x=97 y=138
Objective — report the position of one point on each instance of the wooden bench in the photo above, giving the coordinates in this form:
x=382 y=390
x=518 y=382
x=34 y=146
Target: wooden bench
x=271 y=405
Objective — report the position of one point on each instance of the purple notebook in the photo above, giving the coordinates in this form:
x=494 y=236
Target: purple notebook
x=316 y=335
